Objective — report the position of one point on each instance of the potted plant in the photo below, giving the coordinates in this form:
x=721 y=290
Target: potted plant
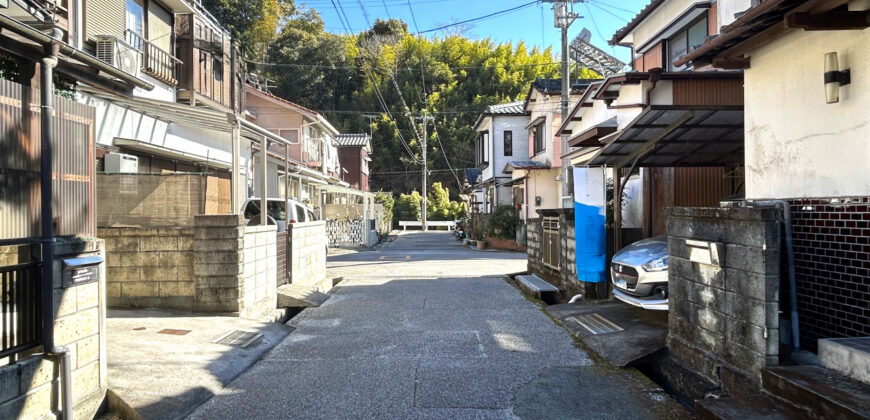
x=481 y=244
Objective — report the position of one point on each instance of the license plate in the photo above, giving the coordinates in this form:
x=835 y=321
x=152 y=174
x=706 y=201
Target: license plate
x=621 y=284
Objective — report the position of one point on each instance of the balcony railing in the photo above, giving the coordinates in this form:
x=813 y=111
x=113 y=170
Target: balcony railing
x=155 y=61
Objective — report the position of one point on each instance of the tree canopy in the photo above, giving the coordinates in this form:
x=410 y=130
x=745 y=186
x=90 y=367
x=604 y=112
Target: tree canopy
x=381 y=80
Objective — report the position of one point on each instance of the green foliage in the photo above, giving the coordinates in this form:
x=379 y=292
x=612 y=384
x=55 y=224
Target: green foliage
x=386 y=199
x=503 y=222
x=453 y=77
x=439 y=206
x=407 y=207
x=253 y=23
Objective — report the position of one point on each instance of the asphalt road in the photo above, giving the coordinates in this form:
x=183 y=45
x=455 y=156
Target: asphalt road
x=425 y=327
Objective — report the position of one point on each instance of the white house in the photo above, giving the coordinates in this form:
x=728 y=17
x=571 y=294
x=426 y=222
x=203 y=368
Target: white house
x=502 y=136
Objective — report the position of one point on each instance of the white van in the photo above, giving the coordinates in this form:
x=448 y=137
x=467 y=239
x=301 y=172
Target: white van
x=275 y=213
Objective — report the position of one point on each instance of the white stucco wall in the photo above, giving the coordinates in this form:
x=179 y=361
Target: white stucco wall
x=498 y=160
x=542 y=183
x=658 y=19
x=727 y=8
x=796 y=144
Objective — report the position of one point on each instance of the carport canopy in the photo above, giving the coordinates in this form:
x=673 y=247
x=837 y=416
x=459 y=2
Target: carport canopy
x=677 y=136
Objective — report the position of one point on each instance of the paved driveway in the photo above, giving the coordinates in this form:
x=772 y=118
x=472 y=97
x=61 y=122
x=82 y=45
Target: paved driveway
x=427 y=328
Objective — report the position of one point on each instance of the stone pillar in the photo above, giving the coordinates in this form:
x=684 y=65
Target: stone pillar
x=723 y=278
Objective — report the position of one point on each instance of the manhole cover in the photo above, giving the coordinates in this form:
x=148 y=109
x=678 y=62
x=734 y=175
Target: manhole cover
x=596 y=324
x=394 y=257
x=238 y=338
x=172 y=331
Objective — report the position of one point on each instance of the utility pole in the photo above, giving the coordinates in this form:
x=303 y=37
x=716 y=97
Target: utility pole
x=563 y=18
x=425 y=175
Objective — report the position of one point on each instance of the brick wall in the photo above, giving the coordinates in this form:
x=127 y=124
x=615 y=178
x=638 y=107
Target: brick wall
x=30 y=387
x=149 y=267
x=308 y=253
x=723 y=320
x=831 y=241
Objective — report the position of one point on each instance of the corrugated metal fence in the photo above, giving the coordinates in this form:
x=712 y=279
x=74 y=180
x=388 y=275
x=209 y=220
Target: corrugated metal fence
x=73 y=165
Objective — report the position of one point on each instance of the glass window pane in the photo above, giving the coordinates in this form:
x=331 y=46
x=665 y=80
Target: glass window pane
x=135 y=17
x=676 y=48
x=697 y=34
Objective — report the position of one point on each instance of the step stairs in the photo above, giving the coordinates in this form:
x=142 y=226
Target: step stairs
x=794 y=392
x=538 y=287
x=297 y=296
x=821 y=392
x=745 y=407
x=849 y=356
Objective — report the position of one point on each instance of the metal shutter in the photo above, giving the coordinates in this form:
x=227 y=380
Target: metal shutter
x=105 y=17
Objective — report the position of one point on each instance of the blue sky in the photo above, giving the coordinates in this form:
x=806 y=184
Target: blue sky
x=532 y=24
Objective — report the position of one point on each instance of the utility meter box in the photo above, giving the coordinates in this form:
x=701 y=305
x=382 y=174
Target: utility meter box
x=120 y=163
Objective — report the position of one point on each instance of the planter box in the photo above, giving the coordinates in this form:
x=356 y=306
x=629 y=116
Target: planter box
x=507 y=244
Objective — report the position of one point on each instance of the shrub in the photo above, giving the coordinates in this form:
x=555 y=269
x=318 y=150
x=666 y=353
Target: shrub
x=503 y=222
x=407 y=206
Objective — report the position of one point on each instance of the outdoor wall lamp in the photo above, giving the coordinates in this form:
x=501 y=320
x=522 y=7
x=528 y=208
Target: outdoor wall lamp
x=834 y=78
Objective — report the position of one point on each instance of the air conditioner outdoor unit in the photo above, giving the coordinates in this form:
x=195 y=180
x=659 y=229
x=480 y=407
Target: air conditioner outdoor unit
x=118 y=53
x=120 y=163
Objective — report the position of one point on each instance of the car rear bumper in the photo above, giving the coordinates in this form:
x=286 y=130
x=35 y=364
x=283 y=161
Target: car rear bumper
x=654 y=304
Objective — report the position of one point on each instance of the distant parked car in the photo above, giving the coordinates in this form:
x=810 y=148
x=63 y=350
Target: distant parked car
x=639 y=273
x=275 y=213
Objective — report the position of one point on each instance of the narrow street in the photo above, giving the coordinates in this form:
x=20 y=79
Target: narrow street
x=425 y=327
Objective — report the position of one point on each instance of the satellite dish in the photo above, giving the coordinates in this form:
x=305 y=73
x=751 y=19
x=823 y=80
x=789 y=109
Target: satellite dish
x=585 y=35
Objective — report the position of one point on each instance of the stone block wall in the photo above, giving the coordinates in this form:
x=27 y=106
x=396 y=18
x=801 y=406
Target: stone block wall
x=307 y=253
x=149 y=267
x=724 y=321
x=30 y=387
x=234 y=266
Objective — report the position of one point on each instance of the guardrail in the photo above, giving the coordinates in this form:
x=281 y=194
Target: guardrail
x=432 y=223
x=20 y=315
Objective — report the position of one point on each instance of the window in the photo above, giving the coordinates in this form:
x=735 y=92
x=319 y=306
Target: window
x=685 y=41
x=508 y=143
x=539 y=138
x=482 y=148
x=136 y=17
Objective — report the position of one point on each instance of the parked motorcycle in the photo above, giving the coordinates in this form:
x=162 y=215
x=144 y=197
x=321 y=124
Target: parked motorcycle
x=459 y=230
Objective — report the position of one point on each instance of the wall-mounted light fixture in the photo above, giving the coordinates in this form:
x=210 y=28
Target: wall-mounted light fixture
x=834 y=78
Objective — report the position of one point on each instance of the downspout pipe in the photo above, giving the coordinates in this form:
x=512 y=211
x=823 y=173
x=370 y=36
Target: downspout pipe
x=67 y=50
x=789 y=247
x=46 y=109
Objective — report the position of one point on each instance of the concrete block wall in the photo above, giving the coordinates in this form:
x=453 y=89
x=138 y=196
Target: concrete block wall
x=234 y=266
x=30 y=388
x=307 y=250
x=258 y=282
x=149 y=267
x=724 y=321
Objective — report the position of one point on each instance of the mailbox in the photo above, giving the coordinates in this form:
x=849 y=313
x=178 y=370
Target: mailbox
x=81 y=270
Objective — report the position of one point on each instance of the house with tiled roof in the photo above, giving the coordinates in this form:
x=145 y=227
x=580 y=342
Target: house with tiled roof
x=354 y=151
x=501 y=137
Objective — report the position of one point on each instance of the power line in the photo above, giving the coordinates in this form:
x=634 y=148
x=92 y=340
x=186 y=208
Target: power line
x=605 y=11
x=322 y=66
x=493 y=14
x=631 y=12
x=413 y=18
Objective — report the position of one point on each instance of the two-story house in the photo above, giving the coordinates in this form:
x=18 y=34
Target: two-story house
x=502 y=136
x=354 y=151
x=536 y=177
x=806 y=144
x=311 y=143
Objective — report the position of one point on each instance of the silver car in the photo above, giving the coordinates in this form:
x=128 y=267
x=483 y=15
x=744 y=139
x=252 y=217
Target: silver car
x=639 y=273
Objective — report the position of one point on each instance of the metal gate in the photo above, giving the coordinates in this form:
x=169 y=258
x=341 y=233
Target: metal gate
x=346 y=233
x=282 y=245
x=21 y=317
x=550 y=242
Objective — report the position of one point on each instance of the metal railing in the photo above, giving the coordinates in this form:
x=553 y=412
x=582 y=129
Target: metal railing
x=21 y=318
x=155 y=61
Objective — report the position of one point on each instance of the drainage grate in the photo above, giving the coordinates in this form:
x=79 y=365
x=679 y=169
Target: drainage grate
x=238 y=338
x=596 y=324
x=171 y=331
x=394 y=257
